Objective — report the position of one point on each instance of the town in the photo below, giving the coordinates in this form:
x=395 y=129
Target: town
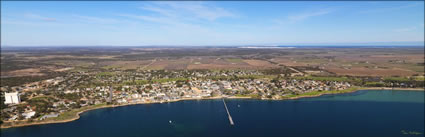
x=54 y=97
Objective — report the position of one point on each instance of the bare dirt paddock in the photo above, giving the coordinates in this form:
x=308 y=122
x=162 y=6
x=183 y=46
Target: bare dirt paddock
x=23 y=72
x=371 y=72
x=124 y=65
x=209 y=63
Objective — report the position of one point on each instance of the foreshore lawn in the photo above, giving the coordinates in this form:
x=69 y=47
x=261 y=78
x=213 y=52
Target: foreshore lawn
x=318 y=93
x=308 y=94
x=73 y=113
x=248 y=95
x=339 y=79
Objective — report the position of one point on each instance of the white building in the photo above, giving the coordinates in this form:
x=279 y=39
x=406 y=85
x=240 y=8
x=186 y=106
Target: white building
x=49 y=116
x=12 y=98
x=29 y=114
x=135 y=95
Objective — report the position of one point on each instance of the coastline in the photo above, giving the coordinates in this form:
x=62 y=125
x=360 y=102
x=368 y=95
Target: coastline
x=99 y=106
x=386 y=88
x=354 y=90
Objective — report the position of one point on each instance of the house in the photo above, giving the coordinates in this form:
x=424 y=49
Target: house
x=160 y=95
x=14 y=117
x=29 y=114
x=122 y=101
x=135 y=95
x=49 y=116
x=145 y=94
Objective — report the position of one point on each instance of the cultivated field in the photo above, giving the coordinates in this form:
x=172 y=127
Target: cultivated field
x=354 y=61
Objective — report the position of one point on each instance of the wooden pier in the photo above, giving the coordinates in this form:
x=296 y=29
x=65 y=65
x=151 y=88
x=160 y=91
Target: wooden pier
x=228 y=113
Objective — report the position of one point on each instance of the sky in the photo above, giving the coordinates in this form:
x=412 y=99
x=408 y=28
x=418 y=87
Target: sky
x=191 y=23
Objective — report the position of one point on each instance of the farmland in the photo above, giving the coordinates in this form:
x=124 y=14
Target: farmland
x=326 y=61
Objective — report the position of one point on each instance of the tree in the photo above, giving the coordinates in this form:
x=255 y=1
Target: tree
x=214 y=93
x=275 y=80
x=23 y=98
x=2 y=105
x=5 y=115
x=83 y=102
x=75 y=105
x=21 y=108
x=149 y=86
x=20 y=117
x=247 y=92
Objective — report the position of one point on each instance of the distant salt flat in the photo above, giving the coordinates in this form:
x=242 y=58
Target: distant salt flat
x=267 y=47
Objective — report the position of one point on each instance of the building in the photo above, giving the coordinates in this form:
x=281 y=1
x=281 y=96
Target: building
x=12 y=98
x=29 y=114
x=49 y=116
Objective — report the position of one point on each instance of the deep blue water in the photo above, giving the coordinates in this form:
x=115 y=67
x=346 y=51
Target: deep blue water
x=363 y=113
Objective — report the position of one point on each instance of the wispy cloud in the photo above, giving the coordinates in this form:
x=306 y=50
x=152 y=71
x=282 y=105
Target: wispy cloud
x=39 y=17
x=180 y=12
x=181 y=15
x=200 y=10
x=405 y=29
x=161 y=11
x=388 y=9
x=297 y=17
x=92 y=19
x=306 y=15
x=161 y=20
x=11 y=22
x=411 y=28
x=110 y=23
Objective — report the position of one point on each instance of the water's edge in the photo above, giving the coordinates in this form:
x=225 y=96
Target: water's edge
x=77 y=115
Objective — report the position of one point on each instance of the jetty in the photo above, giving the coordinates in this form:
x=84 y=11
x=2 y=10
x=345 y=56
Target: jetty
x=228 y=113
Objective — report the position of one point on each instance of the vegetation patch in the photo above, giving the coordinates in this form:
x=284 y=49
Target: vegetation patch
x=396 y=79
x=72 y=114
x=317 y=93
x=339 y=79
x=105 y=73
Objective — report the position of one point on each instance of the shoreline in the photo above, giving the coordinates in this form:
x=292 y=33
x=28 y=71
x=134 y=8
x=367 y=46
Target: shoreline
x=77 y=114
x=357 y=89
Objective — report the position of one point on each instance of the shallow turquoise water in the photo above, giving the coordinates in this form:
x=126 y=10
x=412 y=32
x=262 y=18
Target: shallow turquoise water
x=405 y=96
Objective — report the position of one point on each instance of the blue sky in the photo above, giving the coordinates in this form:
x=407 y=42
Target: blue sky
x=210 y=23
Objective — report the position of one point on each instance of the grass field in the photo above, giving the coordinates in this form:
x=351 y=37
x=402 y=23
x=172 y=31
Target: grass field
x=316 y=93
x=73 y=113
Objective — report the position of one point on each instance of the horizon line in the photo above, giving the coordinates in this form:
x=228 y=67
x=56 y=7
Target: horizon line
x=201 y=46
x=393 y=43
